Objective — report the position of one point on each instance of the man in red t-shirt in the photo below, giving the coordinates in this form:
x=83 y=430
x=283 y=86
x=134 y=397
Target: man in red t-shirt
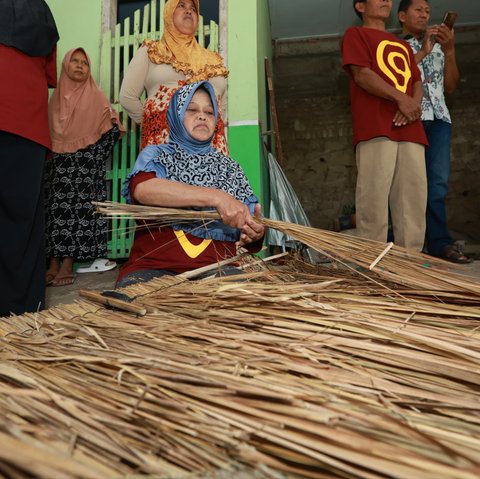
x=389 y=140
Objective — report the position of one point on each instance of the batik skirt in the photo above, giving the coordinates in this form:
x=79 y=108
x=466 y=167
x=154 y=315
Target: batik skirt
x=73 y=181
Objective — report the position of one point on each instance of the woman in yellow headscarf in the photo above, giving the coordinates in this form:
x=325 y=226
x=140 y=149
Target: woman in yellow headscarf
x=161 y=67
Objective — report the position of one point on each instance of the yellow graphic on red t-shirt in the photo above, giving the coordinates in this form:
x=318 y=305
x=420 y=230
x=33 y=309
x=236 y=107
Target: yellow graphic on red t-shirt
x=391 y=62
x=192 y=250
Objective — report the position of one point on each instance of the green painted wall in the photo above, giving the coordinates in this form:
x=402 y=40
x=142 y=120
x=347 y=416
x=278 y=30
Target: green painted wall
x=264 y=49
x=242 y=60
x=248 y=42
x=79 y=24
x=245 y=148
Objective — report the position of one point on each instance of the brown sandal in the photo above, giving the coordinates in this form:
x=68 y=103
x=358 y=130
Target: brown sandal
x=451 y=253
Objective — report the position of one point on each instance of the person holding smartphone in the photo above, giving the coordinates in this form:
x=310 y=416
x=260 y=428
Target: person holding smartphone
x=434 y=49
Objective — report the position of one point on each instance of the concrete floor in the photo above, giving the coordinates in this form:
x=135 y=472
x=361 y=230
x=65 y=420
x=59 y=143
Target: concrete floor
x=91 y=281
x=103 y=281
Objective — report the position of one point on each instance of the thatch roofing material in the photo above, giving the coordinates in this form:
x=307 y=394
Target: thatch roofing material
x=392 y=263
x=315 y=374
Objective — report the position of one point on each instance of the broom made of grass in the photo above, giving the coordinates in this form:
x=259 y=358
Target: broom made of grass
x=389 y=261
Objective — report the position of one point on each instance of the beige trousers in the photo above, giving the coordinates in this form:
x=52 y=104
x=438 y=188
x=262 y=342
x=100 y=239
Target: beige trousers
x=391 y=174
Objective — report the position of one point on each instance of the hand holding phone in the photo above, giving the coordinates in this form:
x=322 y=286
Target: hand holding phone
x=449 y=19
x=445 y=35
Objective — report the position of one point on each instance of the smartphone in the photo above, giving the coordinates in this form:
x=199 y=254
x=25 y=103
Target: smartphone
x=449 y=19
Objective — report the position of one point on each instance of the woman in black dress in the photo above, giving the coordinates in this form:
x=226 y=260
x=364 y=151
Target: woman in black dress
x=84 y=130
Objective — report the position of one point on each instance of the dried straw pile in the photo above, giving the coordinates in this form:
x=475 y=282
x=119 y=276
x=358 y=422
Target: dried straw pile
x=391 y=263
x=314 y=372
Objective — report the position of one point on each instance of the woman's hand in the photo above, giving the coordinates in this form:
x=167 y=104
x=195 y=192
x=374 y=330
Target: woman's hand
x=253 y=230
x=172 y=194
x=232 y=212
x=236 y=214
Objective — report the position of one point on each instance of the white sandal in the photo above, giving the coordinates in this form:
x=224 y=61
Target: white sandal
x=98 y=266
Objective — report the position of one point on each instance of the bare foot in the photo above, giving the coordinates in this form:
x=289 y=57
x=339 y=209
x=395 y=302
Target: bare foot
x=65 y=275
x=53 y=269
x=63 y=279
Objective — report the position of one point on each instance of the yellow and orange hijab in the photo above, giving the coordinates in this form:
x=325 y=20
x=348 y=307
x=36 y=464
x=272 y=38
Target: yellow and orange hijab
x=183 y=51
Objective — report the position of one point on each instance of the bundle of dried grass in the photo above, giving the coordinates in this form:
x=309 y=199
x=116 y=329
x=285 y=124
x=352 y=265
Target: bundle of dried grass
x=390 y=262
x=312 y=374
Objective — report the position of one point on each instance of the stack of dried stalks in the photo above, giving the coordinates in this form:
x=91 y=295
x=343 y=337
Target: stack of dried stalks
x=390 y=262
x=317 y=374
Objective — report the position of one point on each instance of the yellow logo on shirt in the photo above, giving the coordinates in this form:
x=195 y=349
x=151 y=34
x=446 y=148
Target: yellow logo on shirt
x=192 y=250
x=395 y=63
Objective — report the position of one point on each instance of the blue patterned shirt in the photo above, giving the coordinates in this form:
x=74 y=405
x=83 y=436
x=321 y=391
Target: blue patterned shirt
x=432 y=69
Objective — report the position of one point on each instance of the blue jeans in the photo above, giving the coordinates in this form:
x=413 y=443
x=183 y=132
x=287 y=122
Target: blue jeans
x=437 y=157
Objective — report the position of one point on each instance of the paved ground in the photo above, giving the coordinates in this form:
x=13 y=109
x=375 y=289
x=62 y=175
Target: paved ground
x=91 y=281
x=103 y=281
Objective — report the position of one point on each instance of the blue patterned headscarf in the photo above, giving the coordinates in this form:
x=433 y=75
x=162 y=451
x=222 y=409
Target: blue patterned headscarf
x=190 y=161
x=176 y=115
